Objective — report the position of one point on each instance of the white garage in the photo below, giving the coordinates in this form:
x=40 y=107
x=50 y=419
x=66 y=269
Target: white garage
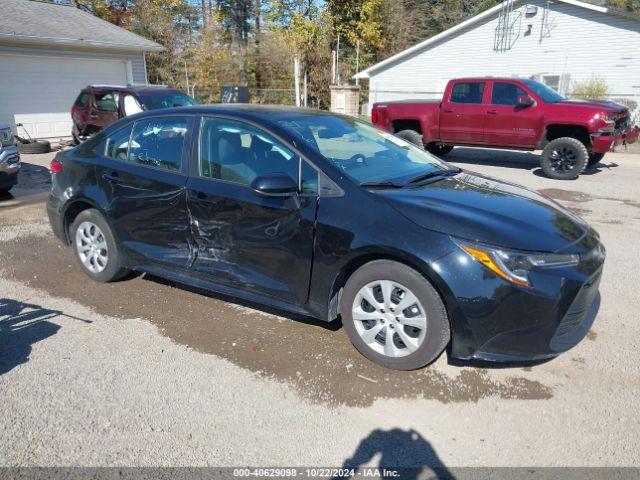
x=43 y=69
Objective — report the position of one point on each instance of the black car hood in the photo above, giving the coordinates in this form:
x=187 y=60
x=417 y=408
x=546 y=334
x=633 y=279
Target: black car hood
x=482 y=209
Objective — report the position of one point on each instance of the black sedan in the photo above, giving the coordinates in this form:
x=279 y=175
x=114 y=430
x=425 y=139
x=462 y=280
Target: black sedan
x=329 y=217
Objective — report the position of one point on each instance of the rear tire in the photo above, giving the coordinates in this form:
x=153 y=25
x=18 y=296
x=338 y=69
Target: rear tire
x=411 y=136
x=564 y=158
x=439 y=149
x=95 y=247
x=595 y=158
x=423 y=322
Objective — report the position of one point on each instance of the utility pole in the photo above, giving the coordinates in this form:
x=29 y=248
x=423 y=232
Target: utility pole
x=338 y=62
x=296 y=75
x=186 y=76
x=304 y=90
x=357 y=62
x=333 y=67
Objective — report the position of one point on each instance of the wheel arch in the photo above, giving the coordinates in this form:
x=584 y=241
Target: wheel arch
x=362 y=258
x=71 y=212
x=554 y=131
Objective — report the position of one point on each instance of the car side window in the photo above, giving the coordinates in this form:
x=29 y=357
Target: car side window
x=239 y=153
x=467 y=92
x=83 y=99
x=506 y=94
x=115 y=146
x=158 y=142
x=106 y=102
x=308 y=179
x=131 y=106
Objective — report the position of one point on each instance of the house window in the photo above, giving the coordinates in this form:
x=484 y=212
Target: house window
x=552 y=81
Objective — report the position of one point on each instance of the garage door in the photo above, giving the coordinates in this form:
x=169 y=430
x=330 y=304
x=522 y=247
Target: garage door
x=39 y=91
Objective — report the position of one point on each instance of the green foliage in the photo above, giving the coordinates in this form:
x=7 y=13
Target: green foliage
x=594 y=89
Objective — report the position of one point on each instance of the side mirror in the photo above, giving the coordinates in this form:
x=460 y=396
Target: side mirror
x=275 y=185
x=525 y=101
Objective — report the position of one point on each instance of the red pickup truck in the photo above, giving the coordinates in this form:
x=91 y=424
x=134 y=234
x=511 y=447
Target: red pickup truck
x=512 y=113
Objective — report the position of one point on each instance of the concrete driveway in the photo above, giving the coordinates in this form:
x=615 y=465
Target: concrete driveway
x=144 y=372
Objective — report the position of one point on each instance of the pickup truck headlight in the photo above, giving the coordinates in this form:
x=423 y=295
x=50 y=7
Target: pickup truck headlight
x=515 y=266
x=6 y=137
x=607 y=123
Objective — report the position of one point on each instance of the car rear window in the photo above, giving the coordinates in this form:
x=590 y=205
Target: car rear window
x=164 y=99
x=467 y=92
x=83 y=99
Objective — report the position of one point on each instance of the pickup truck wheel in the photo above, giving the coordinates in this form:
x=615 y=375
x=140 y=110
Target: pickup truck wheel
x=394 y=316
x=564 y=158
x=411 y=136
x=594 y=158
x=439 y=149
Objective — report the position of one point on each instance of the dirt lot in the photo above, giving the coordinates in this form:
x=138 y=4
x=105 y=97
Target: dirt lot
x=143 y=372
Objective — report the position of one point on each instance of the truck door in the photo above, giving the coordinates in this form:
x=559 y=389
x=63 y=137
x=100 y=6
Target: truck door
x=463 y=113
x=508 y=122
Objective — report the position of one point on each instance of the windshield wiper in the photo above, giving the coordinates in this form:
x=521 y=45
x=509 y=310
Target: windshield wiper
x=435 y=173
x=385 y=184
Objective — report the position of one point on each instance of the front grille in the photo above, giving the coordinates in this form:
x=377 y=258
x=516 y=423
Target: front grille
x=621 y=123
x=578 y=308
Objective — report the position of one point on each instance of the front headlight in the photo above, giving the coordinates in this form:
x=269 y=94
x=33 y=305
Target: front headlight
x=515 y=266
x=607 y=122
x=6 y=137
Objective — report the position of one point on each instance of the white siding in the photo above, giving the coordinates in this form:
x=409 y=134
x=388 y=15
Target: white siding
x=575 y=41
x=38 y=86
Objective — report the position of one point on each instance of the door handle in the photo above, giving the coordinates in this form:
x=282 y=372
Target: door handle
x=93 y=116
x=492 y=112
x=112 y=177
x=448 y=111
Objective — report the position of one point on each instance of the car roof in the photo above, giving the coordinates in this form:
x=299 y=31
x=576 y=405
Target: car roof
x=268 y=114
x=130 y=89
x=484 y=79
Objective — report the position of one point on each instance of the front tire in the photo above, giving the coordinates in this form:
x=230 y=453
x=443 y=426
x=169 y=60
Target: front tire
x=439 y=149
x=95 y=247
x=564 y=158
x=411 y=136
x=394 y=316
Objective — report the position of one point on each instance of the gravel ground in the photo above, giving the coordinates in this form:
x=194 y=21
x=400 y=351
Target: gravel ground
x=143 y=372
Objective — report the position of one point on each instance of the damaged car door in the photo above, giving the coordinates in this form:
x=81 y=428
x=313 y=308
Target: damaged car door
x=142 y=171
x=253 y=206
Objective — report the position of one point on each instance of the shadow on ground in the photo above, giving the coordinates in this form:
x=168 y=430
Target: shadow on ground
x=404 y=452
x=22 y=325
x=314 y=358
x=512 y=159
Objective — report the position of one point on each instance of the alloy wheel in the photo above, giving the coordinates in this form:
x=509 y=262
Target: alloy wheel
x=91 y=246
x=389 y=318
x=563 y=159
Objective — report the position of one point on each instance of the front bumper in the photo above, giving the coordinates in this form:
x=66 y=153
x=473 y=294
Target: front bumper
x=495 y=320
x=9 y=166
x=602 y=143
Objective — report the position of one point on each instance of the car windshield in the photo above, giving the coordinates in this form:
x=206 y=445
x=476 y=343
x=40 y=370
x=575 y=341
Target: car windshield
x=164 y=99
x=545 y=93
x=364 y=153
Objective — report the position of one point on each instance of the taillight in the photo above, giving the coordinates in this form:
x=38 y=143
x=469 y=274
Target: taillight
x=374 y=115
x=55 y=166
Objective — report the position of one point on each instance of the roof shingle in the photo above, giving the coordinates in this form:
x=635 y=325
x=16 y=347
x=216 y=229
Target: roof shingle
x=37 y=22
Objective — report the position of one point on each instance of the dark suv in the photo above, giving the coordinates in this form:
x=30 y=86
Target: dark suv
x=98 y=106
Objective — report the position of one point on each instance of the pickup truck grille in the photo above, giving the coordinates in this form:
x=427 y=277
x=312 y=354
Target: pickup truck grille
x=622 y=122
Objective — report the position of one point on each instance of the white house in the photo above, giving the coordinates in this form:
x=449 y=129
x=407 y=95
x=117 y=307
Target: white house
x=49 y=52
x=558 y=42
